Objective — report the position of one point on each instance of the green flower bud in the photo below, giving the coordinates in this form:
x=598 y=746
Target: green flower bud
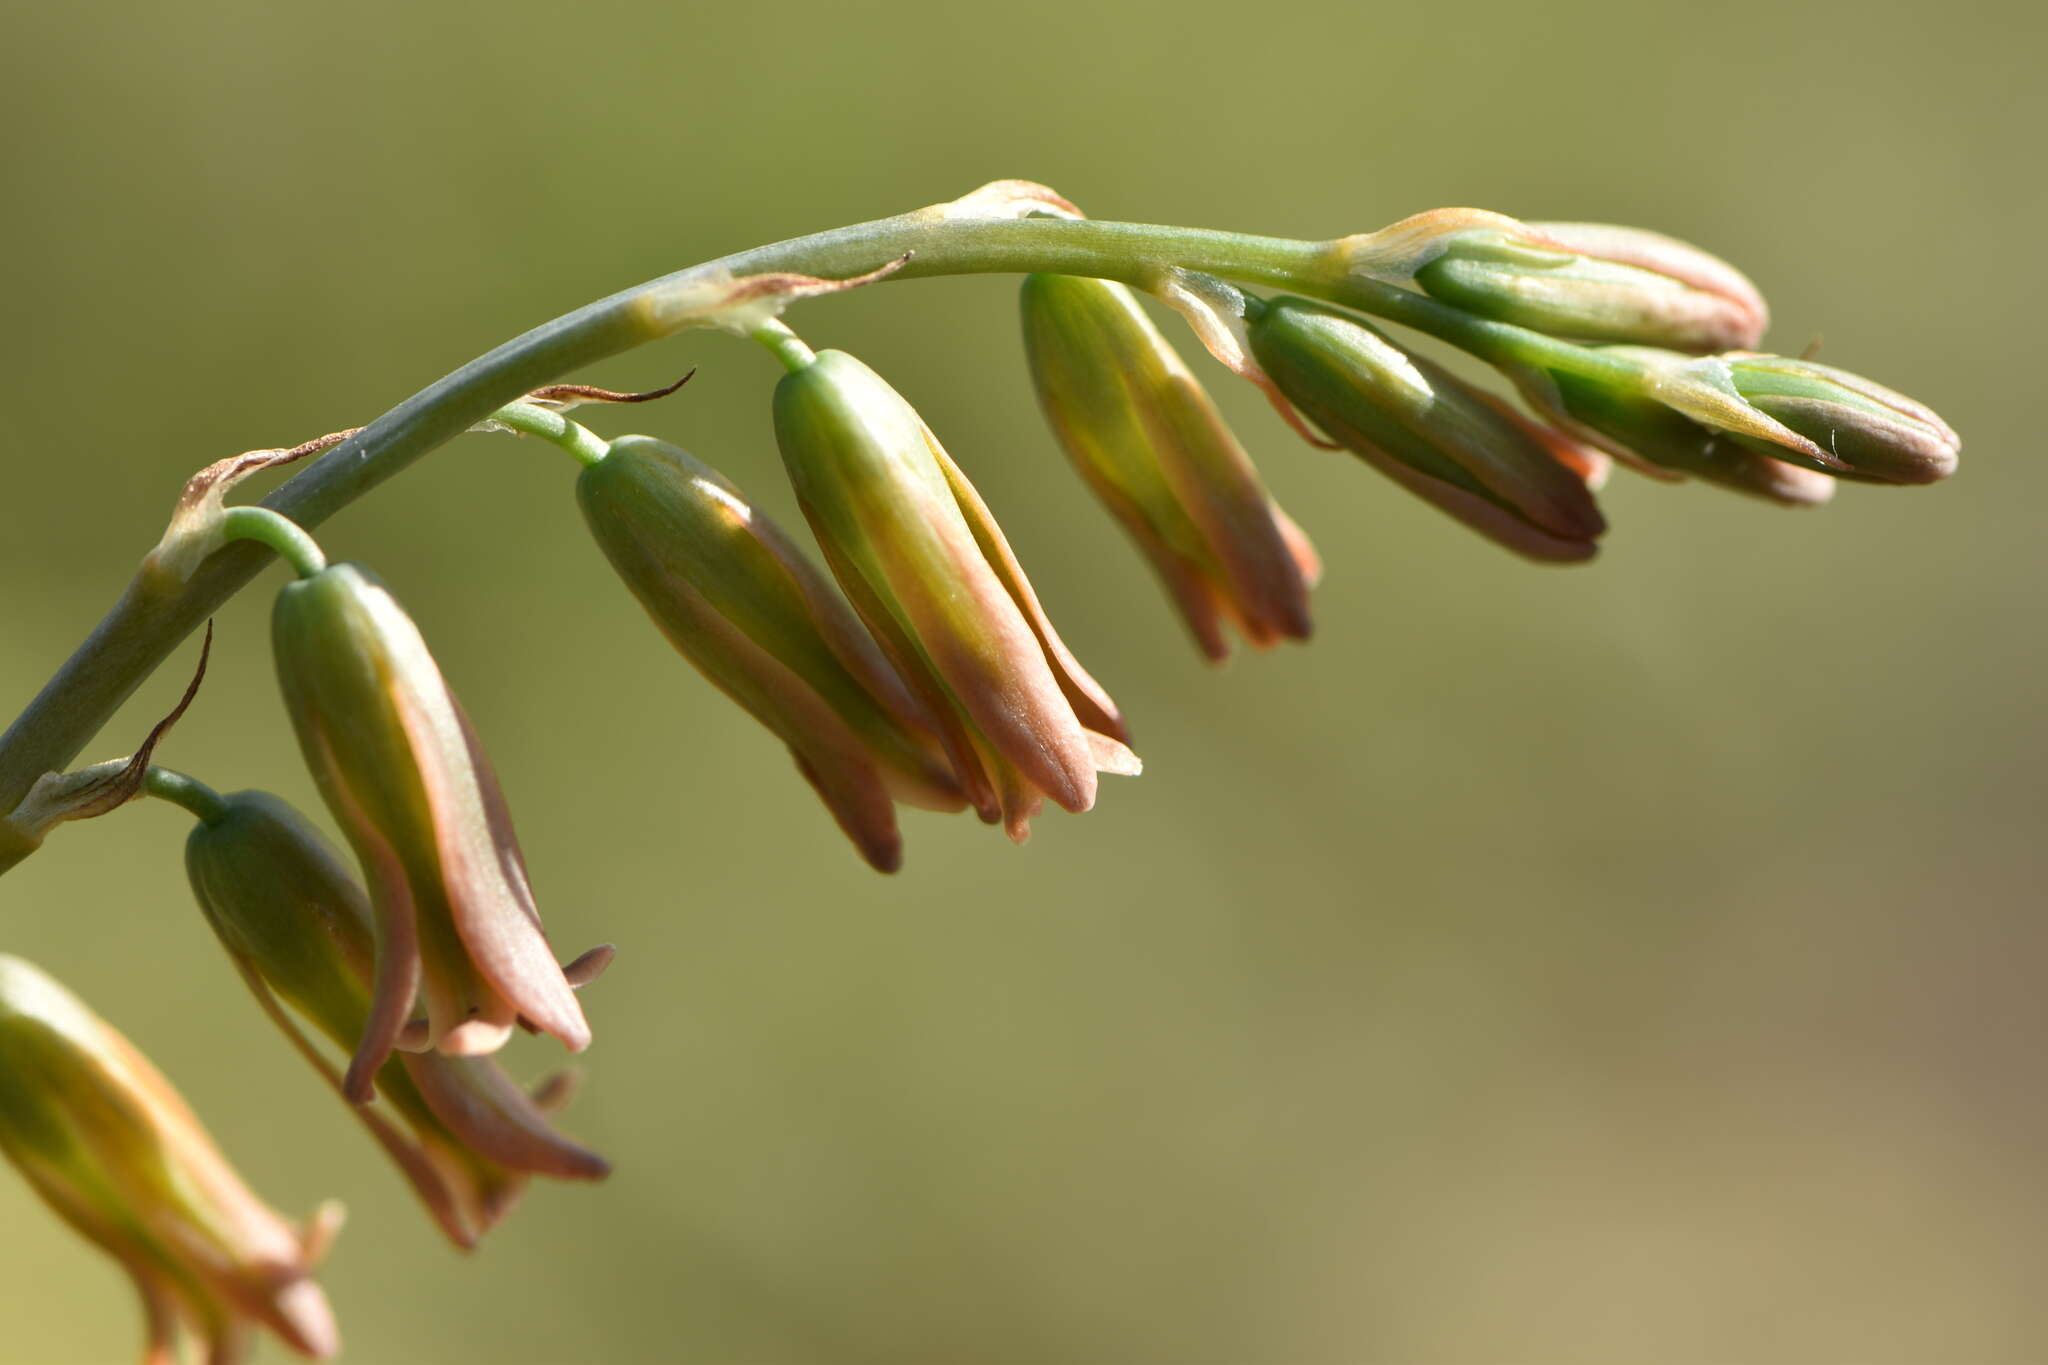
x=1874 y=433
x=109 y=1145
x=1147 y=438
x=1654 y=438
x=1584 y=281
x=399 y=766
x=300 y=932
x=1429 y=431
x=926 y=567
x=737 y=598
x=1722 y=417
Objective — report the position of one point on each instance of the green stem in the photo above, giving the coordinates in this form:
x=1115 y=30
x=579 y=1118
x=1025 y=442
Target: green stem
x=280 y=533
x=579 y=440
x=150 y=619
x=789 y=348
x=189 y=792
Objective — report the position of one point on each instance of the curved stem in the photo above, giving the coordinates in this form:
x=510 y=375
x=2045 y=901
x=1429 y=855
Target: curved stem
x=532 y=420
x=280 y=533
x=149 y=620
x=787 y=346
x=180 y=789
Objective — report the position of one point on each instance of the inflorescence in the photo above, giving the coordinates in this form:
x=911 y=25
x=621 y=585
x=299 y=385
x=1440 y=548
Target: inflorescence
x=917 y=665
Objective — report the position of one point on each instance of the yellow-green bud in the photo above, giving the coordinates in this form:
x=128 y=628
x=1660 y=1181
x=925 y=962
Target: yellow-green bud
x=400 y=768
x=1420 y=425
x=111 y=1147
x=1584 y=281
x=737 y=598
x=926 y=567
x=1145 y=435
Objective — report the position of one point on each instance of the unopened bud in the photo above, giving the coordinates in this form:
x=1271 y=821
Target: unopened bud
x=737 y=598
x=1620 y=416
x=398 y=764
x=299 y=931
x=1146 y=436
x=925 y=565
x=1875 y=433
x=111 y=1147
x=1428 y=430
x=1583 y=281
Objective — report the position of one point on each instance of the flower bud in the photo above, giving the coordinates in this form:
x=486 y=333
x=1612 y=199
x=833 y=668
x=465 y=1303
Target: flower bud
x=736 y=598
x=926 y=567
x=1742 y=408
x=1874 y=433
x=399 y=766
x=106 y=1142
x=299 y=931
x=1621 y=417
x=1429 y=431
x=1584 y=281
x=1145 y=435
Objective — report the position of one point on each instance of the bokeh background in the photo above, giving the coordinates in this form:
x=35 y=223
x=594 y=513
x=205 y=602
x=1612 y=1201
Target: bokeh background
x=1637 y=962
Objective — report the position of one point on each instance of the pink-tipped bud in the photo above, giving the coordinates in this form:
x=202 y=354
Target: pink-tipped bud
x=1143 y=432
x=737 y=598
x=925 y=565
x=1583 y=281
x=398 y=764
x=112 y=1148
x=1429 y=431
x=299 y=931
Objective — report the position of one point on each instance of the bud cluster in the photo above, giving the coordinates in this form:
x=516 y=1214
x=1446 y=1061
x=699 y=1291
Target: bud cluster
x=918 y=666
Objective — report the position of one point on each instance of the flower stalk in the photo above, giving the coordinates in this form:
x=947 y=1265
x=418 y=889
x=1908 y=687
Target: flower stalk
x=984 y=232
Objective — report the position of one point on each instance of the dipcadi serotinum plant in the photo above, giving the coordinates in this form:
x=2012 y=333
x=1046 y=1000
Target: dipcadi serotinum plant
x=908 y=661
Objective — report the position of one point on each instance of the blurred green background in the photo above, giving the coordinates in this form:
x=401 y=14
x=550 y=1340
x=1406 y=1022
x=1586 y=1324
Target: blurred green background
x=1631 y=963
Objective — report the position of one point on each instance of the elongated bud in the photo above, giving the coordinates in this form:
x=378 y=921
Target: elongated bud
x=106 y=1142
x=1868 y=431
x=398 y=764
x=1146 y=436
x=1784 y=429
x=299 y=931
x=1429 y=431
x=736 y=598
x=1584 y=281
x=927 y=568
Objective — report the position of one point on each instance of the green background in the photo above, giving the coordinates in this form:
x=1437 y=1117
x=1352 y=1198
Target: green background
x=1635 y=962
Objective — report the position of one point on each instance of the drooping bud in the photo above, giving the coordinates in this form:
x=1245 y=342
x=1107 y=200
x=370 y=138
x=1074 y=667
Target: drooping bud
x=928 y=570
x=1146 y=436
x=739 y=600
x=299 y=931
x=1583 y=281
x=1429 y=431
x=399 y=766
x=111 y=1147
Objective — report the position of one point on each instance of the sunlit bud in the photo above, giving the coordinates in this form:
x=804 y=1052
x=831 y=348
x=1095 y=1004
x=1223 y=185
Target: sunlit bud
x=1584 y=281
x=1428 y=430
x=925 y=566
x=299 y=931
x=1150 y=442
x=737 y=598
x=1867 y=431
x=399 y=766
x=1621 y=417
x=106 y=1142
